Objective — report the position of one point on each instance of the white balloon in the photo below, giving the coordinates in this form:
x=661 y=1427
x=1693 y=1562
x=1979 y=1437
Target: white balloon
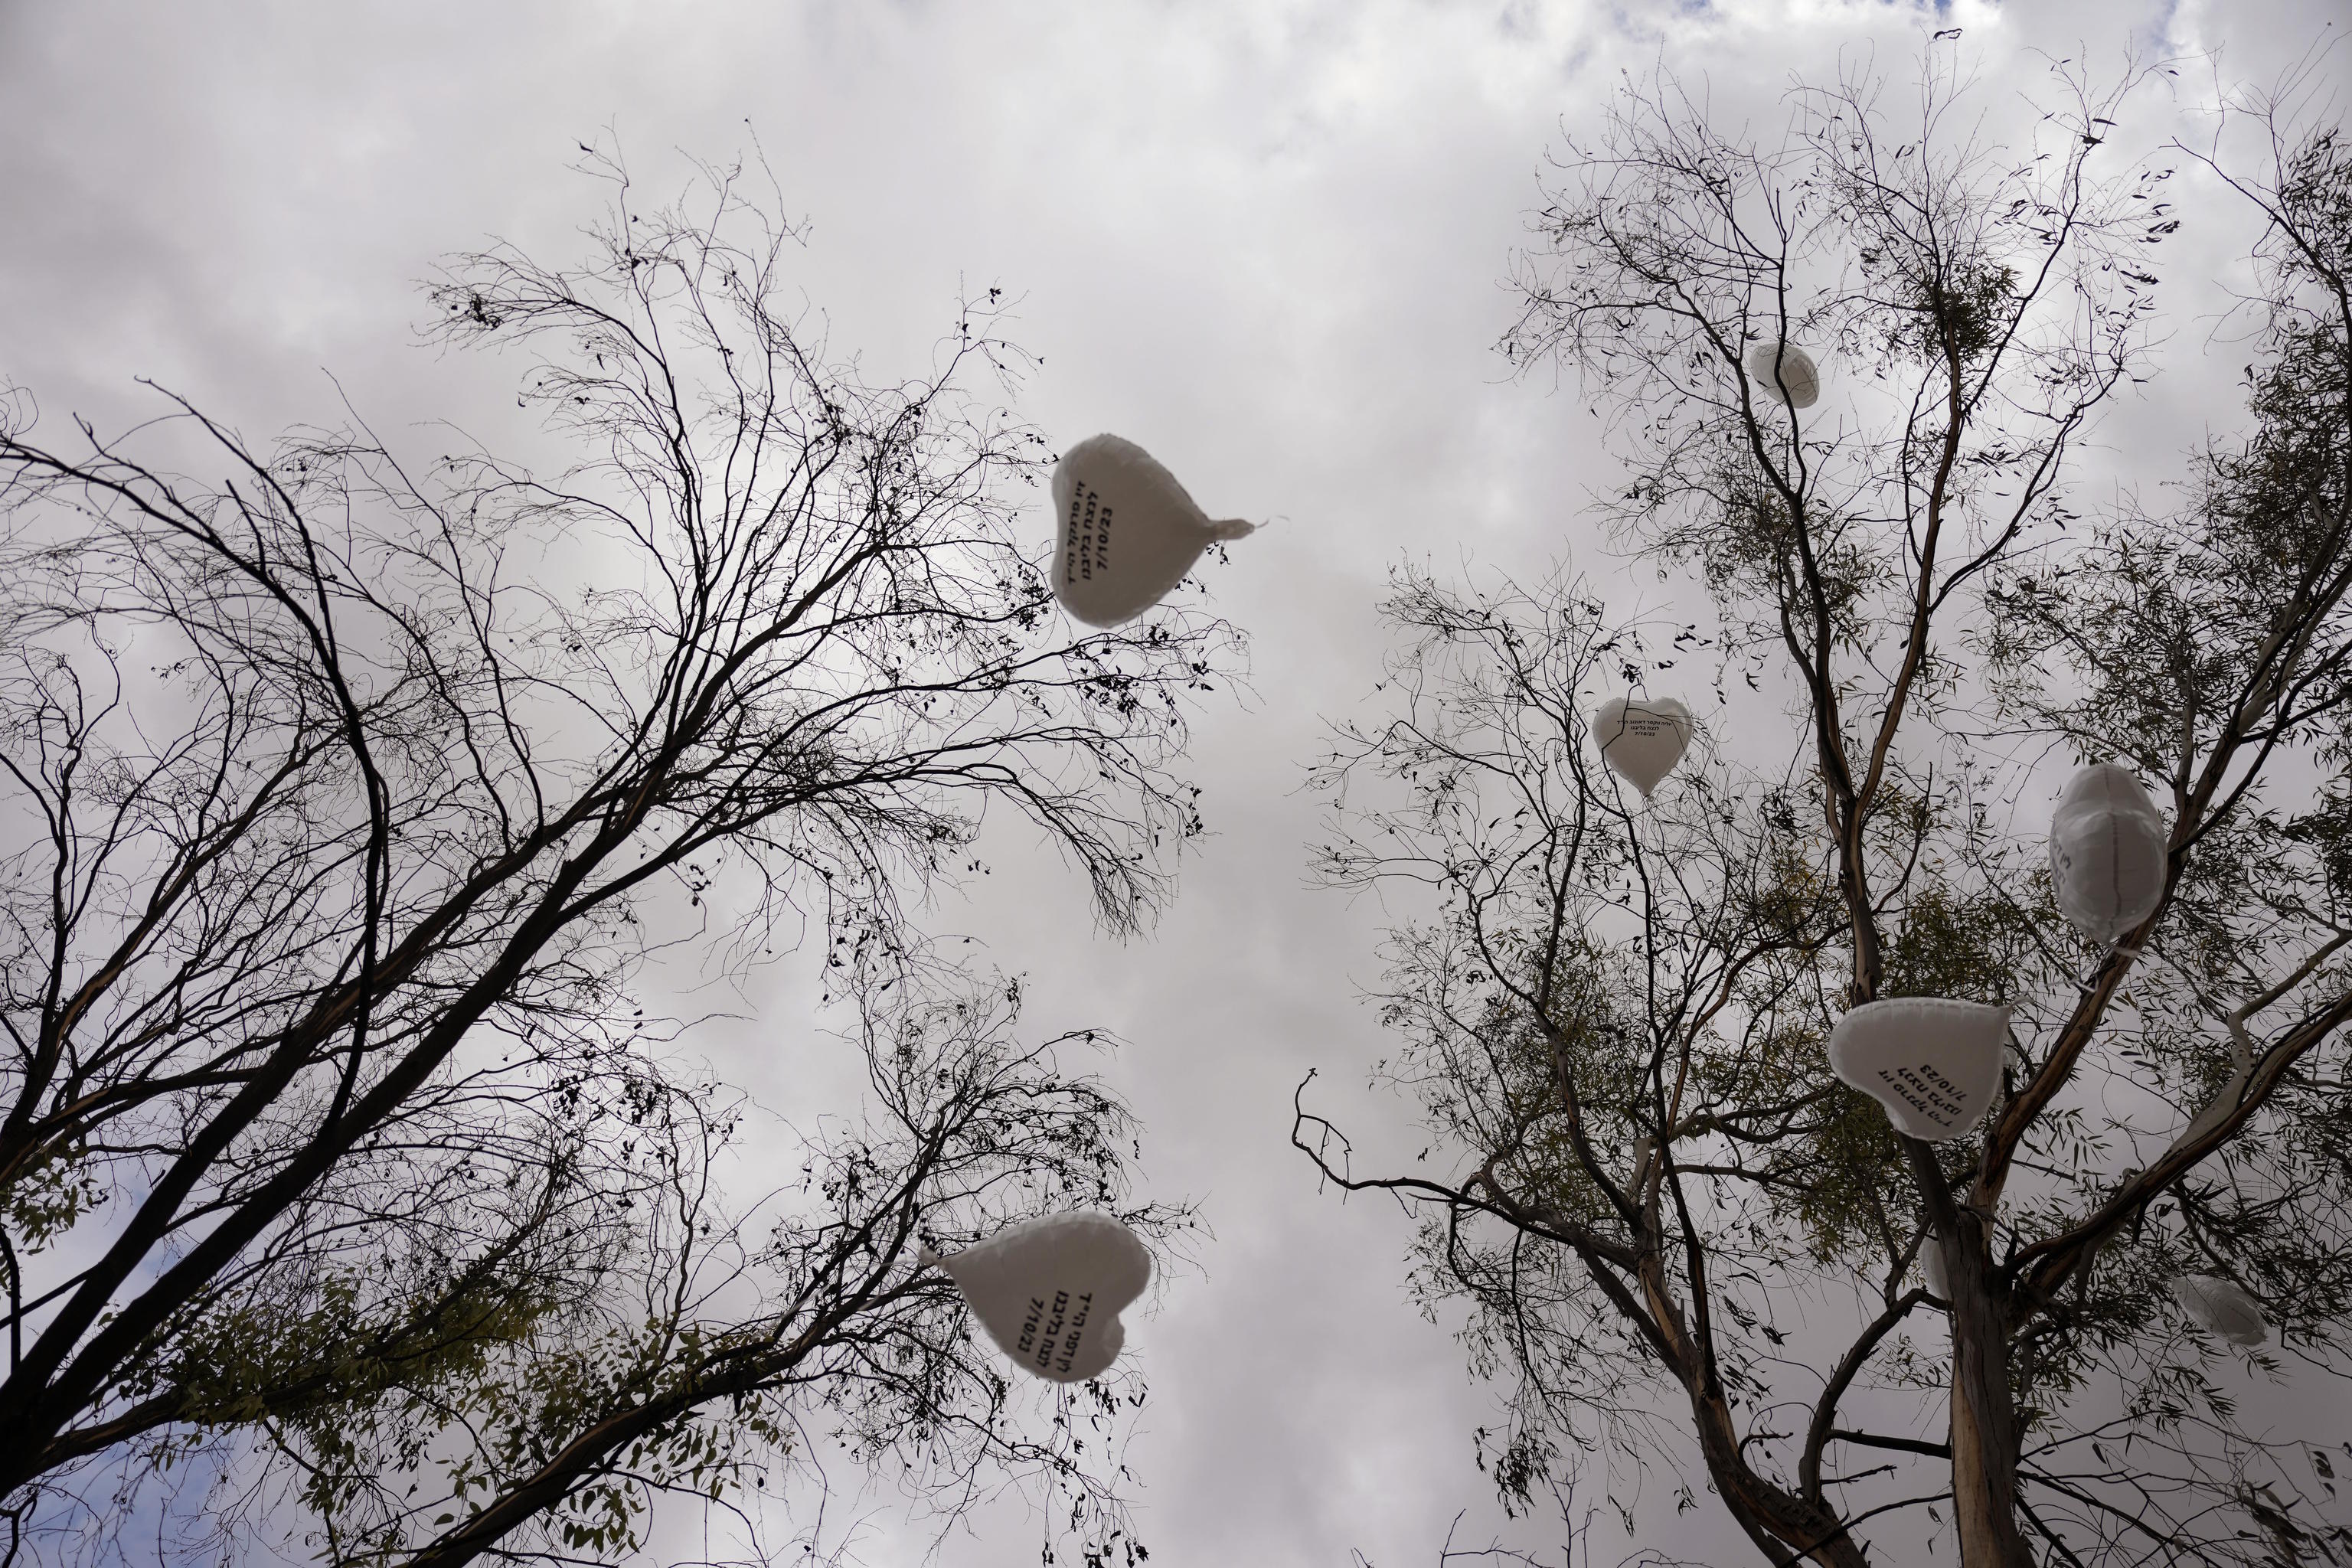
x=1931 y=1268
x=1125 y=531
x=1933 y=1063
x=2219 y=1306
x=1642 y=740
x=1796 y=375
x=1049 y=1291
x=2106 y=852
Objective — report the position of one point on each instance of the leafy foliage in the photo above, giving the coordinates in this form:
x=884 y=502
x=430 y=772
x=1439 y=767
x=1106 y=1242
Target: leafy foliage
x=1661 y=1201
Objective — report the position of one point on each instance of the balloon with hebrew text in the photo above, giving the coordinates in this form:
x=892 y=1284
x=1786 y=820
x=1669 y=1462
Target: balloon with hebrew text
x=2219 y=1307
x=1778 y=367
x=1049 y=1291
x=1642 y=739
x=2107 y=852
x=1126 y=532
x=1933 y=1063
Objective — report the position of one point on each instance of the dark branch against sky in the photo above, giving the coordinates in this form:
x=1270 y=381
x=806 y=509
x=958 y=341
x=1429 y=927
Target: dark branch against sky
x=1263 y=241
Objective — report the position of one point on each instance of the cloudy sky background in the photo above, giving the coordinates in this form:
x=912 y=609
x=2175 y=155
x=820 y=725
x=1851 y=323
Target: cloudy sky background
x=1266 y=240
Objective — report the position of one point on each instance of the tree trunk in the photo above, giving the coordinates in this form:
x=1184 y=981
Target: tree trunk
x=1984 y=1420
x=1786 y=1527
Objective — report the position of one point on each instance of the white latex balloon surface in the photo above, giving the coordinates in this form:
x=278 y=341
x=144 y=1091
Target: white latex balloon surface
x=1642 y=738
x=1796 y=372
x=2106 y=852
x=1933 y=1063
x=1125 y=531
x=1049 y=1291
x=1931 y=1269
x=2219 y=1306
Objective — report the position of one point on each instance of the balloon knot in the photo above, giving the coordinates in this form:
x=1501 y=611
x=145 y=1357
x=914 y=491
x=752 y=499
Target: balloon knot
x=1231 y=528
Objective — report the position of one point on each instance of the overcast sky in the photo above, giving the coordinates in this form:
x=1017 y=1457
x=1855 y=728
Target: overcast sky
x=1264 y=239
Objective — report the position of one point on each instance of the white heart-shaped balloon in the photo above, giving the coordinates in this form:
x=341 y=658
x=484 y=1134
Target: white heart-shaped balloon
x=2219 y=1306
x=2106 y=852
x=1933 y=1063
x=1049 y=1291
x=1795 y=373
x=1642 y=738
x=1125 y=531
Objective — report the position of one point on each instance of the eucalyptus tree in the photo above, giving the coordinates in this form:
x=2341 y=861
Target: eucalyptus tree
x=349 y=793
x=1675 y=1230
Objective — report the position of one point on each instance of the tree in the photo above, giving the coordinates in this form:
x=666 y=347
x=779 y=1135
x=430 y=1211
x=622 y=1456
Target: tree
x=1616 y=1014
x=353 y=800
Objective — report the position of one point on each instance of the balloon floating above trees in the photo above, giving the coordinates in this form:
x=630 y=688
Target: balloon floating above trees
x=2219 y=1306
x=1642 y=740
x=1785 y=367
x=1049 y=1291
x=2106 y=852
x=1933 y=1063
x=1126 y=532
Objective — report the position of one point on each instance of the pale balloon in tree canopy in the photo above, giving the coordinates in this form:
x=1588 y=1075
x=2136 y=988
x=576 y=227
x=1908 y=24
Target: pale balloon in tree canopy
x=2107 y=854
x=1125 y=531
x=1049 y=1291
x=1642 y=738
x=2219 y=1307
x=1933 y=1063
x=1795 y=373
